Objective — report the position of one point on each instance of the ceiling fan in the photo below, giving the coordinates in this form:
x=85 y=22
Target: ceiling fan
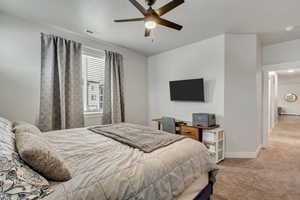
x=153 y=17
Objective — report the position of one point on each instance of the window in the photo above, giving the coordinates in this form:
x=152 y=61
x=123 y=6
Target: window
x=92 y=88
x=93 y=82
x=93 y=97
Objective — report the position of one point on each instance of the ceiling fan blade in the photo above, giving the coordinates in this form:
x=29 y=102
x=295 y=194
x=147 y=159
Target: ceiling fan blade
x=168 y=7
x=139 y=7
x=169 y=24
x=129 y=20
x=147 y=32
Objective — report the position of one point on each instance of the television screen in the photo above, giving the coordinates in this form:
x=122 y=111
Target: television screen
x=187 y=90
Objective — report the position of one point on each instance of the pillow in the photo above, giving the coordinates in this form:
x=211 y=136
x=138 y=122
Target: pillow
x=41 y=156
x=17 y=123
x=5 y=124
x=26 y=127
x=17 y=180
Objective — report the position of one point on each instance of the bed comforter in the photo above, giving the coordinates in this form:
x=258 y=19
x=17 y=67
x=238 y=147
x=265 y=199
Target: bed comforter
x=103 y=168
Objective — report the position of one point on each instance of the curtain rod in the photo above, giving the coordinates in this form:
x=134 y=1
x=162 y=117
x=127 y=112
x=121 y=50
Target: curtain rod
x=84 y=46
x=92 y=48
x=99 y=50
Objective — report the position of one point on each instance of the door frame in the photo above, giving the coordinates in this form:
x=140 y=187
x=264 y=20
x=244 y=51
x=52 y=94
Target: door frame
x=266 y=111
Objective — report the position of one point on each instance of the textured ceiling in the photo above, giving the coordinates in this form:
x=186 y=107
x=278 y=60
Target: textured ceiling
x=287 y=77
x=201 y=19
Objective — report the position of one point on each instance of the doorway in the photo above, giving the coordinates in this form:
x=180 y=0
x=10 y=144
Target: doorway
x=281 y=102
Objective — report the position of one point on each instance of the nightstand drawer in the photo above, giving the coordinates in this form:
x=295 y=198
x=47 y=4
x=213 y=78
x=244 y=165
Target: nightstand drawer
x=190 y=132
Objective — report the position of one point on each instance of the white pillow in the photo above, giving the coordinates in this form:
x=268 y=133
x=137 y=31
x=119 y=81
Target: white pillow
x=26 y=127
x=41 y=156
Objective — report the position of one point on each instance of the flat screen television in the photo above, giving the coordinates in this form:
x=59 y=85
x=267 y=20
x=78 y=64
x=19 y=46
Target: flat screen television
x=187 y=90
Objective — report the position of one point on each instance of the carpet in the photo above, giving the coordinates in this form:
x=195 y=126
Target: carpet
x=274 y=175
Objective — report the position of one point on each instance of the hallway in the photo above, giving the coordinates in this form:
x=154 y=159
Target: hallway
x=274 y=175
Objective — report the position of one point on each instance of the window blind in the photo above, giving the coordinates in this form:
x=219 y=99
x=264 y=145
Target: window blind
x=93 y=64
x=95 y=69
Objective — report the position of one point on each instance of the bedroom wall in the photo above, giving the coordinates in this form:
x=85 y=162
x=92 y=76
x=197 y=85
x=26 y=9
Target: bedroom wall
x=282 y=52
x=259 y=92
x=243 y=95
x=203 y=59
x=231 y=67
x=20 y=70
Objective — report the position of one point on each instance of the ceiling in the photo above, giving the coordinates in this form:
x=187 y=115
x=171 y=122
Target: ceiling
x=201 y=19
x=284 y=76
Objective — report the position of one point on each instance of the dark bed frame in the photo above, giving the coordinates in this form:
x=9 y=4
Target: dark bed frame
x=207 y=191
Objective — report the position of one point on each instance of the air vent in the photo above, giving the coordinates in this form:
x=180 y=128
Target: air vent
x=89 y=31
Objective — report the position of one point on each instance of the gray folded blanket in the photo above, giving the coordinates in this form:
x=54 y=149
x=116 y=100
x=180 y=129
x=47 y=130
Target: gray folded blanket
x=143 y=138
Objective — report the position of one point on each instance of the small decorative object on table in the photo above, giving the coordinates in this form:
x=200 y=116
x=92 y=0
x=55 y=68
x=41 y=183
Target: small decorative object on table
x=214 y=140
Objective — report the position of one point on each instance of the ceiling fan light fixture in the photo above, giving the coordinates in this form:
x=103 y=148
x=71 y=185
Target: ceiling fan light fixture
x=152 y=17
x=150 y=24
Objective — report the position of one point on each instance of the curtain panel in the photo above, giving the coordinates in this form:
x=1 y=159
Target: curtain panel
x=61 y=104
x=113 y=106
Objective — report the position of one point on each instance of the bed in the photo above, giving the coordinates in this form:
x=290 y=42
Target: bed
x=103 y=168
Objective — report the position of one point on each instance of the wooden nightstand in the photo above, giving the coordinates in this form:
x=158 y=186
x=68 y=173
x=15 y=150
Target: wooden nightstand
x=191 y=132
x=194 y=132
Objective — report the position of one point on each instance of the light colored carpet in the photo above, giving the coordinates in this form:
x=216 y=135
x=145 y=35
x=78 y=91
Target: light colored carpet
x=274 y=175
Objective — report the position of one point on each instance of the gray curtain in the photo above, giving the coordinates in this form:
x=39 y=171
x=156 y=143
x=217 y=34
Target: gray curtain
x=61 y=105
x=113 y=105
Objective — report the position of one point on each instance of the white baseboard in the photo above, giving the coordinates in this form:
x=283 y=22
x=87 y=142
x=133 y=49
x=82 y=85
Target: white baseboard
x=258 y=150
x=253 y=154
x=240 y=155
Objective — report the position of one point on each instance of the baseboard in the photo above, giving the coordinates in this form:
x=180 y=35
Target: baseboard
x=240 y=155
x=253 y=154
x=258 y=150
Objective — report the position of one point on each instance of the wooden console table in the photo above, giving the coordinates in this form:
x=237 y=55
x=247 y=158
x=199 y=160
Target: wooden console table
x=177 y=123
x=194 y=132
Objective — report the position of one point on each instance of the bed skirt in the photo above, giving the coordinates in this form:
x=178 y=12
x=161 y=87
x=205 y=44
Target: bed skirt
x=206 y=193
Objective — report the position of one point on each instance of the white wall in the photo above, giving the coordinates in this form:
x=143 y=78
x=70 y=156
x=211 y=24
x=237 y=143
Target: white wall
x=285 y=87
x=273 y=100
x=242 y=95
x=259 y=92
x=282 y=53
x=231 y=66
x=204 y=59
x=20 y=70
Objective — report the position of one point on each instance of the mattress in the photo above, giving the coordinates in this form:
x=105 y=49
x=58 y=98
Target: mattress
x=103 y=168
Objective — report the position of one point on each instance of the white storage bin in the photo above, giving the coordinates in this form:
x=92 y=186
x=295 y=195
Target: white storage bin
x=214 y=140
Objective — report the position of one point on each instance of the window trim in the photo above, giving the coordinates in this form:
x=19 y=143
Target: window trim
x=97 y=53
x=93 y=113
